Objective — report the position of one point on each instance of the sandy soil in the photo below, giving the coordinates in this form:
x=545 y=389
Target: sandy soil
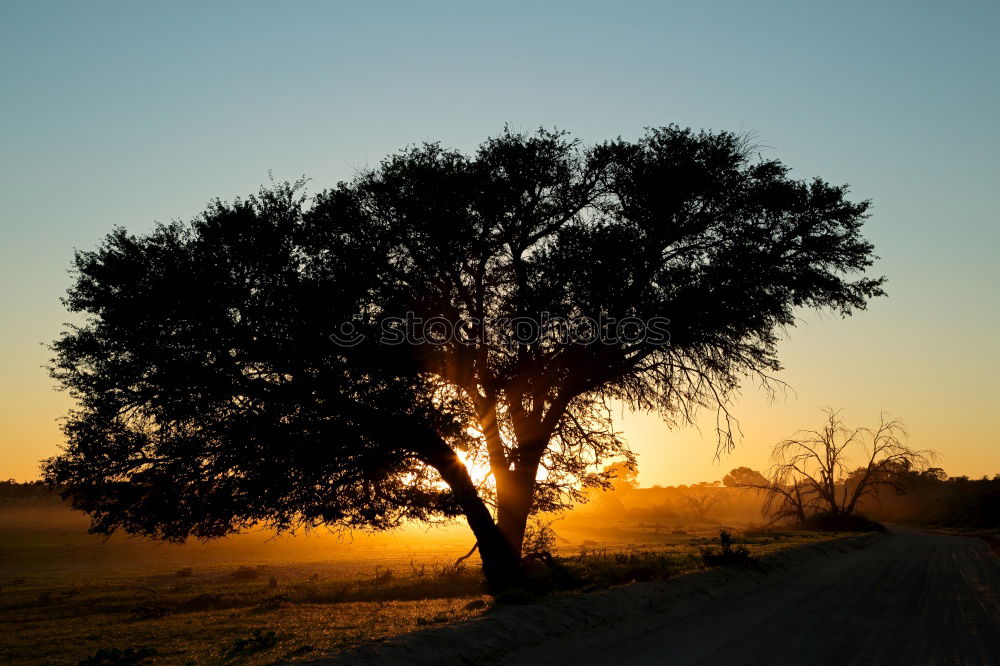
x=913 y=598
x=909 y=598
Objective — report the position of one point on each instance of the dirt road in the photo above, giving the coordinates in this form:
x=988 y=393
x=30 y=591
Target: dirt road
x=914 y=598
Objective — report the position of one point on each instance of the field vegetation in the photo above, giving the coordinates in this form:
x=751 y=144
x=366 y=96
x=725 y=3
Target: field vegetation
x=69 y=597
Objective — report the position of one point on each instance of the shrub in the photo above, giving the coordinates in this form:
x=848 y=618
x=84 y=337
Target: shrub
x=539 y=537
x=728 y=554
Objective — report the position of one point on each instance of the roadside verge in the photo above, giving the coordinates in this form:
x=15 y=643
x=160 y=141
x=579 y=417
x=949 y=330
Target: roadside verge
x=501 y=633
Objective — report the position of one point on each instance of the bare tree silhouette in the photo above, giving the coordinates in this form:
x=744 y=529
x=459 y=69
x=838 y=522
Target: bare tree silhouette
x=701 y=500
x=814 y=473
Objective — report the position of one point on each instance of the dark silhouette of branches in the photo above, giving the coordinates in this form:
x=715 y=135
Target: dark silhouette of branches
x=830 y=470
x=701 y=500
x=210 y=394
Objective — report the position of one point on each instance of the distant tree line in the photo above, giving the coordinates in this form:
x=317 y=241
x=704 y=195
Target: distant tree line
x=29 y=493
x=891 y=493
x=922 y=497
x=705 y=501
x=932 y=497
x=927 y=497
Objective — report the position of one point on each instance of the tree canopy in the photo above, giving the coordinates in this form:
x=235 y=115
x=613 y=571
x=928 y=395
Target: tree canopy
x=334 y=360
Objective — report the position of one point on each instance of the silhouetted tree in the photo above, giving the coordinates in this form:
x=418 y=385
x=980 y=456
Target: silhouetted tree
x=211 y=396
x=784 y=498
x=622 y=476
x=811 y=471
x=701 y=499
x=29 y=493
x=744 y=477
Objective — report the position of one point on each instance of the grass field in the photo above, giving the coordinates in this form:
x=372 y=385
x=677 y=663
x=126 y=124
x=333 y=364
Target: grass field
x=257 y=599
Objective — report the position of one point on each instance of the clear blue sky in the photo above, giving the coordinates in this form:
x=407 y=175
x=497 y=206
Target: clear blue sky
x=125 y=113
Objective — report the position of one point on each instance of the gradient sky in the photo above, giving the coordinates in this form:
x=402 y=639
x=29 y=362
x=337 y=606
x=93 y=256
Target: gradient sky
x=130 y=113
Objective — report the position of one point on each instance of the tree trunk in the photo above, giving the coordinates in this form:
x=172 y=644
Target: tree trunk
x=799 y=507
x=516 y=491
x=501 y=563
x=501 y=566
x=513 y=507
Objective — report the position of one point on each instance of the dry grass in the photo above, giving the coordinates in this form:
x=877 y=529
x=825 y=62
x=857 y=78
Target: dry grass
x=66 y=595
x=202 y=617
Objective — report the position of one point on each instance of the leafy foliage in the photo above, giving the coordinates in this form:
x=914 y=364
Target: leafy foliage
x=539 y=537
x=210 y=395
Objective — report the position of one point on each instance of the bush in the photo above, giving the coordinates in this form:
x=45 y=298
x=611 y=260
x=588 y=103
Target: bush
x=539 y=537
x=728 y=554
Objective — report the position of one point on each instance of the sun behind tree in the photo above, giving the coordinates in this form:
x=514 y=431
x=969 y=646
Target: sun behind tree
x=301 y=363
